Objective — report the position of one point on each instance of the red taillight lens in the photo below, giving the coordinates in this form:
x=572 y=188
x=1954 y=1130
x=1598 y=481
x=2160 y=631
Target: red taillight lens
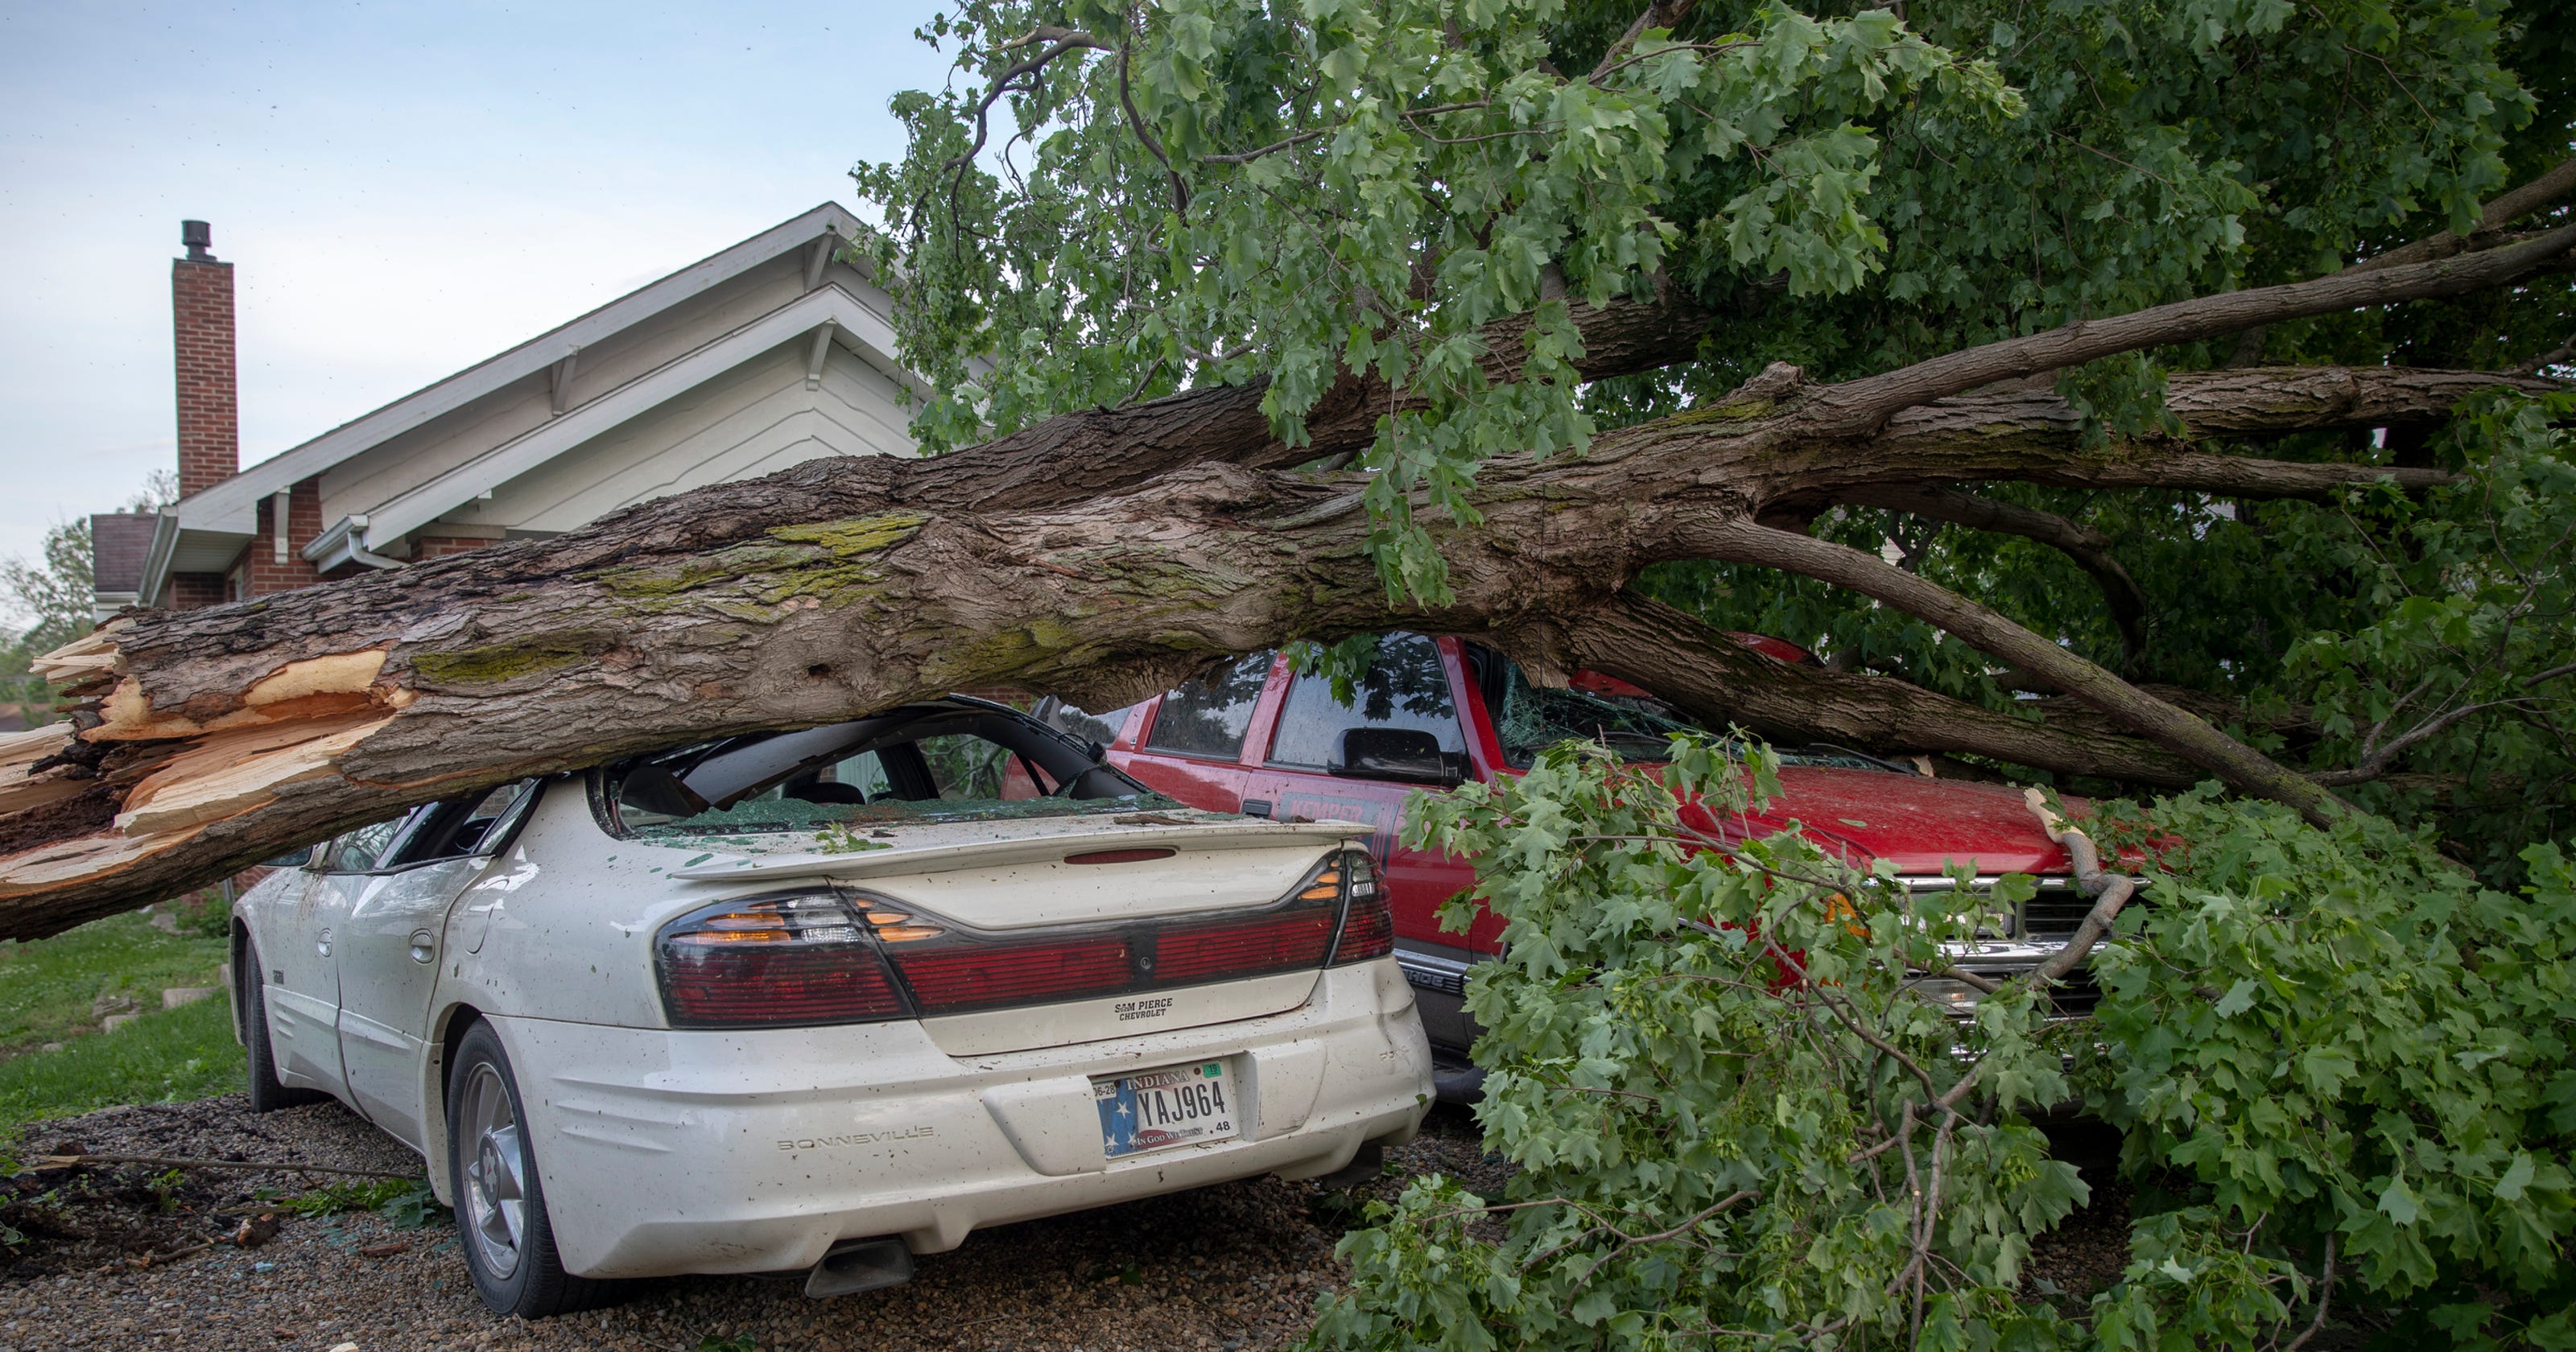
x=774 y=961
x=981 y=975
x=1368 y=926
x=821 y=957
x=1279 y=942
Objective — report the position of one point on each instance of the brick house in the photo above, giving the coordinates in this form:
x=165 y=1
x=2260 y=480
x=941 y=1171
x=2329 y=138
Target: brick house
x=769 y=353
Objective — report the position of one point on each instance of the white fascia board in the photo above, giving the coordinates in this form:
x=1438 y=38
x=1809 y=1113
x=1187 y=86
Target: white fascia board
x=419 y=506
x=233 y=505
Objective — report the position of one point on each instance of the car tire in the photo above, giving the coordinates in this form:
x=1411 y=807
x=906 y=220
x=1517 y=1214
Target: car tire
x=501 y=1218
x=267 y=1092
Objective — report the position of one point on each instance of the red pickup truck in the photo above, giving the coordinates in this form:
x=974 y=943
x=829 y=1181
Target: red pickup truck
x=1256 y=737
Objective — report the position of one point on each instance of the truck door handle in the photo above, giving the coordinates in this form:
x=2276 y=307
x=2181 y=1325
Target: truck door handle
x=424 y=946
x=322 y=943
x=1256 y=807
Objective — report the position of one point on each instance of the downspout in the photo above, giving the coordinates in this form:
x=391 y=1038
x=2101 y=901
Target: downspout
x=359 y=553
x=339 y=545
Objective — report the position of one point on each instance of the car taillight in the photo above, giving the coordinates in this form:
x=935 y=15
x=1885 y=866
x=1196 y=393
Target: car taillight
x=804 y=958
x=827 y=957
x=1278 y=942
x=1368 y=926
x=980 y=975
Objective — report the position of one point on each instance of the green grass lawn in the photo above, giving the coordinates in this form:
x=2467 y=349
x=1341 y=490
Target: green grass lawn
x=50 y=990
x=163 y=1057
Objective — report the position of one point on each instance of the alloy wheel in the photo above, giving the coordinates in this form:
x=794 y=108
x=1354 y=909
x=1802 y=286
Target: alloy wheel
x=495 y=1181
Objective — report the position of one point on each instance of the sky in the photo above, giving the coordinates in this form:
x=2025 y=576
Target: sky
x=403 y=190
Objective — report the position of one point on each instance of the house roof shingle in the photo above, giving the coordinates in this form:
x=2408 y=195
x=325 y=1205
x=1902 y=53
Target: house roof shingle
x=119 y=541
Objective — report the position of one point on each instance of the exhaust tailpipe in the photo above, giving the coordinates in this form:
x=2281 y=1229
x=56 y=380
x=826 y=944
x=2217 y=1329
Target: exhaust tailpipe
x=856 y=1265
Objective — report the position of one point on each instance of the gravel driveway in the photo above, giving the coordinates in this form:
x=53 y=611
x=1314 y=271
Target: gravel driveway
x=1231 y=1268
x=1234 y=1267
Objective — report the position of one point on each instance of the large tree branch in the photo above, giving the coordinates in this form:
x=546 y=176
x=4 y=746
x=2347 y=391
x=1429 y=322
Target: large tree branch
x=1860 y=406
x=209 y=739
x=1756 y=443
x=1076 y=457
x=2241 y=767
x=2089 y=549
x=2502 y=211
x=1722 y=681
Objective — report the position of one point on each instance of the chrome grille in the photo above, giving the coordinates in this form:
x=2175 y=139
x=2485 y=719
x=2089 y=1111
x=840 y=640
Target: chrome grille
x=2056 y=910
x=2007 y=947
x=2074 y=997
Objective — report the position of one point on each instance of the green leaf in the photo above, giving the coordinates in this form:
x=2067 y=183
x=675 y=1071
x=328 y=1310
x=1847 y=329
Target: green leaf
x=2398 y=1203
x=2516 y=1179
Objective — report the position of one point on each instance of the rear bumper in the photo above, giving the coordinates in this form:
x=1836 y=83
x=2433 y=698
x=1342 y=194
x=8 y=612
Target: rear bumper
x=665 y=1152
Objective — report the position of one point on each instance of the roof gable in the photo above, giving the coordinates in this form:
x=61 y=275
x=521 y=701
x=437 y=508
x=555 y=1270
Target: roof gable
x=433 y=459
x=232 y=506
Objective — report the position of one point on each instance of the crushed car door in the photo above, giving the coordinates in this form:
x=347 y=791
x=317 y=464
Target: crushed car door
x=390 y=945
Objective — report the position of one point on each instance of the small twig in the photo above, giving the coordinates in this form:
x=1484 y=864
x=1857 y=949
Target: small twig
x=149 y=1259
x=1136 y=122
x=238 y=1166
x=2325 y=1297
x=1628 y=1242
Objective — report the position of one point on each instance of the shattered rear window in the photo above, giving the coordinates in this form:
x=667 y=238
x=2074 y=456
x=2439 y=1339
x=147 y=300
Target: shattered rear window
x=942 y=762
x=793 y=815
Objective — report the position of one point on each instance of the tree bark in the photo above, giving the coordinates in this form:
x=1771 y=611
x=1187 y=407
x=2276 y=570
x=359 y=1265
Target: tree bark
x=1723 y=682
x=1097 y=452
x=2504 y=210
x=1862 y=405
x=2241 y=767
x=211 y=739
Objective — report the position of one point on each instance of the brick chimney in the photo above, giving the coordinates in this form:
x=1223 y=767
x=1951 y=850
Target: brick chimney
x=201 y=313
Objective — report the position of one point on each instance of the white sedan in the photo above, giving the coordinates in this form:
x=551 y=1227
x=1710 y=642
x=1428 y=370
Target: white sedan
x=820 y=1000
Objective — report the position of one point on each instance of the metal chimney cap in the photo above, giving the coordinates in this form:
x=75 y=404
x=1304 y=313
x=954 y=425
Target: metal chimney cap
x=200 y=239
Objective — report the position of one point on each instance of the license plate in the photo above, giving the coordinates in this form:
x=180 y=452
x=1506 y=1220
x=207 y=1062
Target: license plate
x=1160 y=1109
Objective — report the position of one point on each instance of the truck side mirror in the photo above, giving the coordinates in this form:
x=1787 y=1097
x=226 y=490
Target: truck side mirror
x=1407 y=755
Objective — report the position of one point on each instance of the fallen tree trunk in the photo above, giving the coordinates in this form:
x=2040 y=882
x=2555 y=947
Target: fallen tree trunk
x=211 y=739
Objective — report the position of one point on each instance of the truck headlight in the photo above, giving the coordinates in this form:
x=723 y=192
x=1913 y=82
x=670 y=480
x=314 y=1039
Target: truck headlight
x=1958 y=997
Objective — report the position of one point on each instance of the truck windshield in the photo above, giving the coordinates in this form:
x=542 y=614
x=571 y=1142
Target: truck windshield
x=1530 y=718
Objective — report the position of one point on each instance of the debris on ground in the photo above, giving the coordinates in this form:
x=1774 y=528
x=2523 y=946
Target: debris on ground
x=117 y=1255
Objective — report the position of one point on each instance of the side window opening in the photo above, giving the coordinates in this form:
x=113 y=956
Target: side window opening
x=457 y=828
x=967 y=768
x=1405 y=688
x=1209 y=716
x=1100 y=729
x=364 y=850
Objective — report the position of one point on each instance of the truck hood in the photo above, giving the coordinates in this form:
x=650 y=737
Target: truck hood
x=1922 y=826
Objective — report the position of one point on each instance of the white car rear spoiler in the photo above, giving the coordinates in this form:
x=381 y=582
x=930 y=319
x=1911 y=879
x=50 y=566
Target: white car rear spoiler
x=1246 y=833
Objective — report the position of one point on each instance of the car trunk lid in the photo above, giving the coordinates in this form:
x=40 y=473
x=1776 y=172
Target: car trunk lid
x=1043 y=901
